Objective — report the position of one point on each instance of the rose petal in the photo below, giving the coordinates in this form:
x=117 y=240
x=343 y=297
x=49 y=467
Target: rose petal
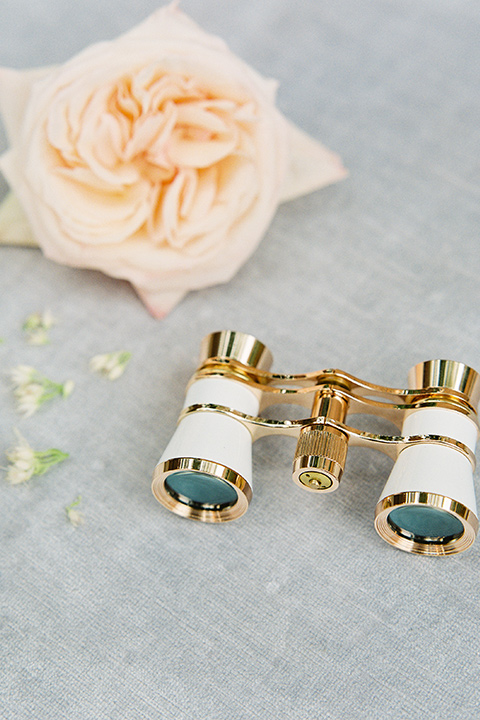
x=158 y=158
x=311 y=166
x=101 y=217
x=160 y=303
x=14 y=226
x=168 y=22
x=15 y=90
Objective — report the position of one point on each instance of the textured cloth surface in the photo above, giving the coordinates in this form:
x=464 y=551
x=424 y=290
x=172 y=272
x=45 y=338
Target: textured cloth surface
x=298 y=609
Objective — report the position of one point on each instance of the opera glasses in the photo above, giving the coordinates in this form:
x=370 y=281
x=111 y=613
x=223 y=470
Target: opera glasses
x=428 y=503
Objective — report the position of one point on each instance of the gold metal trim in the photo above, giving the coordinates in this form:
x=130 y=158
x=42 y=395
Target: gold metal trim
x=461 y=512
x=390 y=445
x=222 y=472
x=238 y=346
x=319 y=458
x=360 y=396
x=448 y=374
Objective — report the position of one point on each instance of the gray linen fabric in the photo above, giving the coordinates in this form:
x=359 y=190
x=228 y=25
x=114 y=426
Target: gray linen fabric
x=297 y=610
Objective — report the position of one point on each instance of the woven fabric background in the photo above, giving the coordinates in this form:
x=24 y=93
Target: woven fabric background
x=297 y=610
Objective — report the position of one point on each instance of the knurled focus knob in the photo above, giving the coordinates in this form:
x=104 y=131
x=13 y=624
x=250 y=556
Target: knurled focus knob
x=320 y=458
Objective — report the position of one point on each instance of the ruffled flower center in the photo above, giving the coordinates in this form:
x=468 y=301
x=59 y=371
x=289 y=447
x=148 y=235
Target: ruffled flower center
x=153 y=156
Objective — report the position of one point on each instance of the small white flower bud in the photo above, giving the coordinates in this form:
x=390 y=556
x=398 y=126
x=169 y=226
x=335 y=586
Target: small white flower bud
x=112 y=365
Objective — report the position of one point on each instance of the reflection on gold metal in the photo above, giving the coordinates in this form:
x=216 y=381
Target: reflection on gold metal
x=232 y=345
x=320 y=458
x=425 y=547
x=315 y=480
x=449 y=375
x=391 y=404
x=321 y=451
x=195 y=512
x=390 y=445
x=323 y=437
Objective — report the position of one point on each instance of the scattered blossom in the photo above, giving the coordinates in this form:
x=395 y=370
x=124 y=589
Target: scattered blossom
x=37 y=326
x=74 y=516
x=112 y=365
x=24 y=462
x=31 y=389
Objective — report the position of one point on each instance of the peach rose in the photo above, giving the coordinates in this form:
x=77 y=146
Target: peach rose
x=159 y=157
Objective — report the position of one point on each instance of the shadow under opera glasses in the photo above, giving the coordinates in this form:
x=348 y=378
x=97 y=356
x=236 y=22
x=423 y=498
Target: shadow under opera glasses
x=428 y=503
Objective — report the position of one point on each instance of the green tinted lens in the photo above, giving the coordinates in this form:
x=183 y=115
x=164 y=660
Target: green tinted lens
x=426 y=524
x=200 y=490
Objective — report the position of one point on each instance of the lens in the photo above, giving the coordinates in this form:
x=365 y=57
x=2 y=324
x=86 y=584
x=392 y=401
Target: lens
x=425 y=524
x=200 y=490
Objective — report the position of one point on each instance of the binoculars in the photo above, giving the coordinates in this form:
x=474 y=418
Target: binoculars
x=428 y=503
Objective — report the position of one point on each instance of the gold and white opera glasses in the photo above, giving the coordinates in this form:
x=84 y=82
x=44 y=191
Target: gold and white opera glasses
x=428 y=503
